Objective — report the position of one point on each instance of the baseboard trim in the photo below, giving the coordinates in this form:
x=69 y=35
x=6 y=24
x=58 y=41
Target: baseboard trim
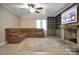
x=3 y=43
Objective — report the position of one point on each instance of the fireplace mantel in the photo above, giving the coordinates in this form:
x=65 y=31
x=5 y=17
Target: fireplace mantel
x=71 y=26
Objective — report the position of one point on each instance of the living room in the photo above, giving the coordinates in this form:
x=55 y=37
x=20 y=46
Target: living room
x=37 y=28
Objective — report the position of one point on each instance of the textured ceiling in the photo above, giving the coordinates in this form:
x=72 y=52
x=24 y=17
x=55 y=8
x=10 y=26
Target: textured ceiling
x=51 y=9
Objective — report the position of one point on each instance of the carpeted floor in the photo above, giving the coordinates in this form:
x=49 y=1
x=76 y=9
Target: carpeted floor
x=36 y=46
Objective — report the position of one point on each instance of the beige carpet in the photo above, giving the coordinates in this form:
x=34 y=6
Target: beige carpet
x=35 y=46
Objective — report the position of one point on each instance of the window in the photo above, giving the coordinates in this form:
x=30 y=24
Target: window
x=41 y=24
x=38 y=22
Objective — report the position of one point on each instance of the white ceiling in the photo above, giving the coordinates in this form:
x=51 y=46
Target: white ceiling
x=51 y=9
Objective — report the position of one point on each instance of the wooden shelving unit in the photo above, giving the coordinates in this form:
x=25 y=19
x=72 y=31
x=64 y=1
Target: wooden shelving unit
x=51 y=22
x=51 y=26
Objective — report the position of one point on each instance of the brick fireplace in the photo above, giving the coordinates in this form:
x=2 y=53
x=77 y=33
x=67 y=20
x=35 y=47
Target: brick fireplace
x=70 y=32
x=71 y=35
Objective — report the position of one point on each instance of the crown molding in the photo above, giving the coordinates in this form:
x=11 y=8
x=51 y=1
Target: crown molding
x=10 y=10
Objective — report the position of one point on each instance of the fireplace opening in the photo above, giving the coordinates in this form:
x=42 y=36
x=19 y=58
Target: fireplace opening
x=71 y=35
x=73 y=40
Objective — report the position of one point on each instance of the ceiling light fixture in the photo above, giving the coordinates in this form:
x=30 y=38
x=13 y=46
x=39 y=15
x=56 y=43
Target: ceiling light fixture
x=26 y=5
x=32 y=9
